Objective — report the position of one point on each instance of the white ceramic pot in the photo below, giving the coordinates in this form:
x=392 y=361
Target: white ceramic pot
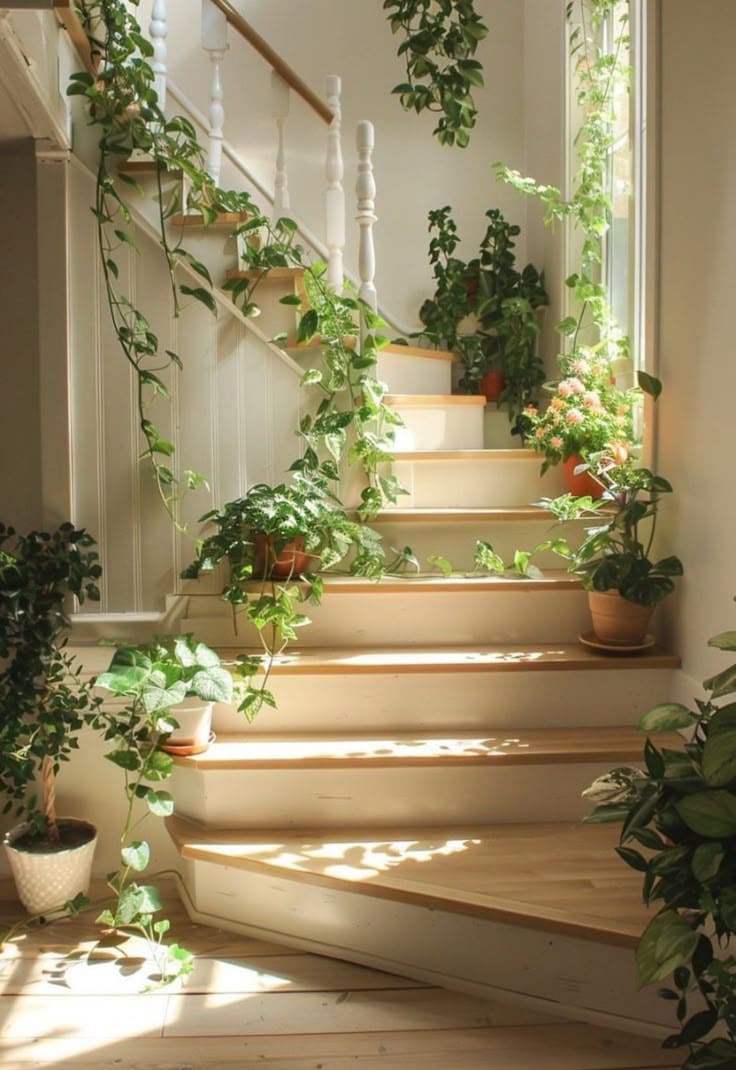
x=194 y=718
x=47 y=880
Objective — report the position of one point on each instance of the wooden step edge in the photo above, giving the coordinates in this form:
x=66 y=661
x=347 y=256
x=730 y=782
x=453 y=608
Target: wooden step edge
x=407 y=401
x=462 y=514
x=468 y=455
x=544 y=747
x=563 y=657
x=196 y=842
x=396 y=349
x=274 y=273
x=459 y=584
x=196 y=219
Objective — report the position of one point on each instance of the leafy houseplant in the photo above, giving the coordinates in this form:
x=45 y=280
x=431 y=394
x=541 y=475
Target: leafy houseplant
x=503 y=300
x=44 y=703
x=614 y=559
x=682 y=812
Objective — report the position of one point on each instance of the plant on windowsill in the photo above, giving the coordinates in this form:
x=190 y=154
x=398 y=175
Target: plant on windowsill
x=624 y=584
x=499 y=357
x=682 y=812
x=44 y=706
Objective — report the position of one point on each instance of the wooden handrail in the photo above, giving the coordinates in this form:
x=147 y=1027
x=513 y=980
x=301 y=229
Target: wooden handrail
x=67 y=14
x=274 y=60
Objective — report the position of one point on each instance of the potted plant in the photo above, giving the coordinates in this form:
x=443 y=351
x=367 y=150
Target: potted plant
x=499 y=357
x=178 y=678
x=678 y=820
x=585 y=415
x=623 y=583
x=44 y=705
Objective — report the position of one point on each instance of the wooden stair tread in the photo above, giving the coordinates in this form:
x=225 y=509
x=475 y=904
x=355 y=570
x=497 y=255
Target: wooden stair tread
x=391 y=348
x=411 y=749
x=428 y=400
x=462 y=514
x=196 y=219
x=552 y=580
x=556 y=877
x=468 y=455
x=446 y=659
x=274 y=273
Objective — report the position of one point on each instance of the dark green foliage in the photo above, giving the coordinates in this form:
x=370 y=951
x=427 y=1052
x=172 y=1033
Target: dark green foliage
x=43 y=701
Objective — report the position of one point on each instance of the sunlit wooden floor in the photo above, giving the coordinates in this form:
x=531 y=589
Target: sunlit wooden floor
x=253 y=1004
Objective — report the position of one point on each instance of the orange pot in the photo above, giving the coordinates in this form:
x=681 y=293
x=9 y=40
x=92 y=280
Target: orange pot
x=491 y=384
x=286 y=563
x=583 y=483
x=615 y=620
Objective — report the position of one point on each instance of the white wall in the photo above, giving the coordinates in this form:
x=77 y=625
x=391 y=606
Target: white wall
x=413 y=172
x=697 y=281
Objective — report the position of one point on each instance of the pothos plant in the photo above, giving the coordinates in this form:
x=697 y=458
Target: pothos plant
x=679 y=831
x=440 y=39
x=599 y=71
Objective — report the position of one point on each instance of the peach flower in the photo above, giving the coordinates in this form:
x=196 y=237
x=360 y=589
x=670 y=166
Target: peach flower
x=574 y=416
x=556 y=442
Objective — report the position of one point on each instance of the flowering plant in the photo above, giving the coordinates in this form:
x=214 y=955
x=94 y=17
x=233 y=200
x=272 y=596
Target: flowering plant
x=587 y=412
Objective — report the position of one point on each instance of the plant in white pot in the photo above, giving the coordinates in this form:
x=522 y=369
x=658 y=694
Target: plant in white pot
x=43 y=706
x=180 y=680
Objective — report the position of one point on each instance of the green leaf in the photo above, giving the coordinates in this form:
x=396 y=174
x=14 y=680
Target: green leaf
x=308 y=326
x=136 y=855
x=723 y=641
x=150 y=899
x=719 y=759
x=706 y=861
x=649 y=384
x=667 y=942
x=667 y=717
x=709 y=813
x=213 y=685
x=200 y=294
x=160 y=803
x=441 y=563
x=723 y=683
x=126 y=759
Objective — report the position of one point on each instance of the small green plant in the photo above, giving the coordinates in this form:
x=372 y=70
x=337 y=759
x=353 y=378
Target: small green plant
x=615 y=555
x=440 y=40
x=44 y=701
x=678 y=830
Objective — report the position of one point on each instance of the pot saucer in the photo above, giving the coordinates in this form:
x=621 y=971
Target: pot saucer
x=590 y=640
x=185 y=750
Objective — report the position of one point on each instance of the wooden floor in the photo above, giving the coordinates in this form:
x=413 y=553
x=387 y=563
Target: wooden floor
x=253 y=1004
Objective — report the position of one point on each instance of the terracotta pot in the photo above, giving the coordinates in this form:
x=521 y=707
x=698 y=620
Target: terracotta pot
x=288 y=562
x=45 y=880
x=491 y=384
x=615 y=620
x=583 y=483
x=194 y=718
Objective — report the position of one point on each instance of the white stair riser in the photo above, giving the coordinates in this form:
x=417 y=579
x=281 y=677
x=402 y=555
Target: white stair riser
x=469 y=701
x=440 y=427
x=455 y=540
x=414 y=375
x=562 y=974
x=374 y=619
x=475 y=484
x=497 y=429
x=352 y=797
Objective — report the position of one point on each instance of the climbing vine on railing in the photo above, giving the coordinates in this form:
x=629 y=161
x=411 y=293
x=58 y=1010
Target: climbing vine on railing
x=440 y=38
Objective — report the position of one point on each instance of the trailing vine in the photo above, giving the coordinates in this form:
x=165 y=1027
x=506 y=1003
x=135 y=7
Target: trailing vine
x=440 y=39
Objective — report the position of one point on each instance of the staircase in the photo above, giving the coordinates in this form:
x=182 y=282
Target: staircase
x=413 y=803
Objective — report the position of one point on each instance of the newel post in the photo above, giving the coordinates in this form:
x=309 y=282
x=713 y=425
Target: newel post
x=366 y=215
x=214 y=41
x=158 y=30
x=334 y=192
x=280 y=112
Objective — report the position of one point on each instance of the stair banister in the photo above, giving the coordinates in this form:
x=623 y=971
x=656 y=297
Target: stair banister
x=214 y=41
x=158 y=29
x=366 y=215
x=334 y=193
x=280 y=111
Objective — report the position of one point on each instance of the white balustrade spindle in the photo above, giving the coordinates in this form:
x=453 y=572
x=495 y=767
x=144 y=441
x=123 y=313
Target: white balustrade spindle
x=366 y=215
x=280 y=112
x=214 y=41
x=158 y=31
x=334 y=193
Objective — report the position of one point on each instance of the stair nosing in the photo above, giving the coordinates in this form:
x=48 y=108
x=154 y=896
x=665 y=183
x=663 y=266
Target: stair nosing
x=431 y=400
